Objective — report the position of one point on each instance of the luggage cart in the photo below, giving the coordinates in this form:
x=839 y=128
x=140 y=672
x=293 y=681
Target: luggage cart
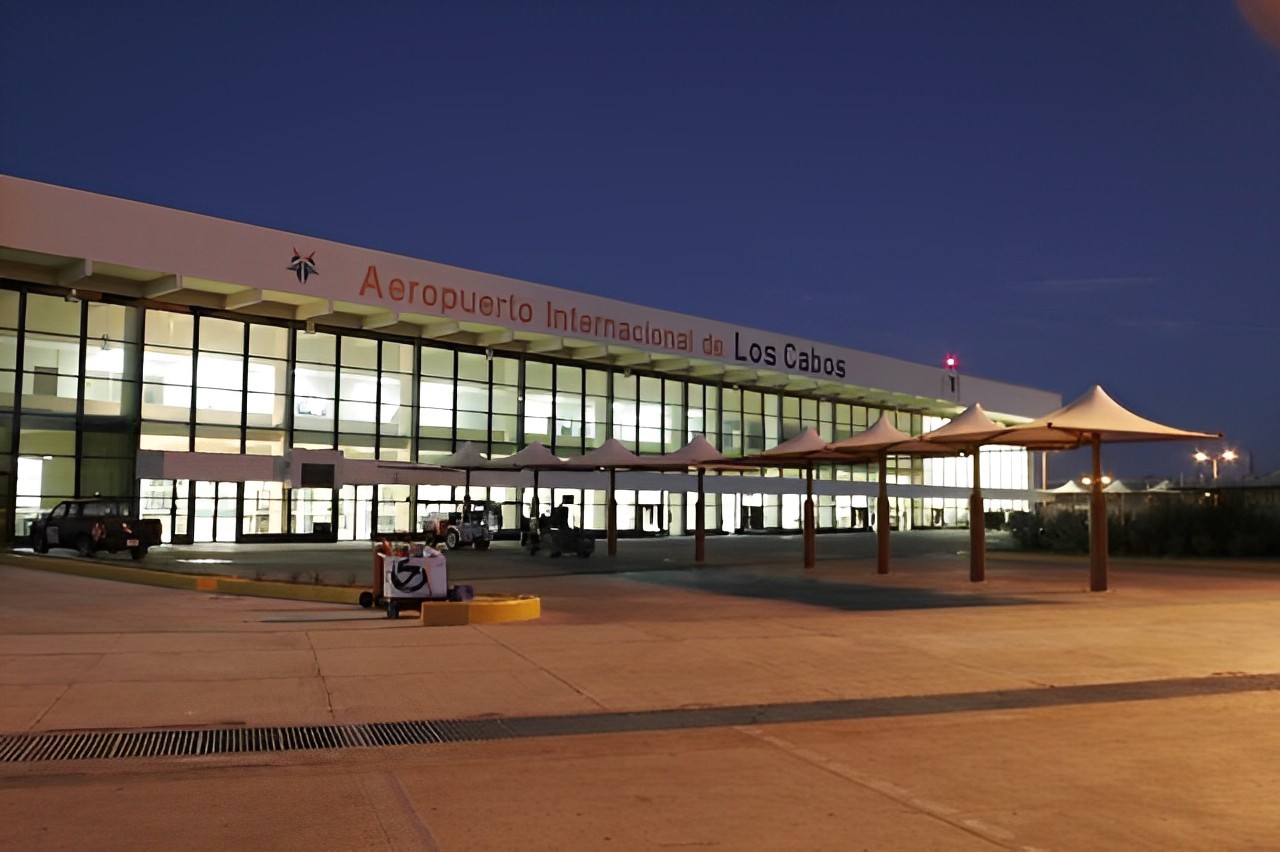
x=407 y=576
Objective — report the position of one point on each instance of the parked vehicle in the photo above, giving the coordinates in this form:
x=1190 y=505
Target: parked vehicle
x=92 y=525
x=552 y=533
x=453 y=530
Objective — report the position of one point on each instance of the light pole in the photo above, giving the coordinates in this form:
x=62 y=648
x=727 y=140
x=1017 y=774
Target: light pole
x=1104 y=480
x=1225 y=455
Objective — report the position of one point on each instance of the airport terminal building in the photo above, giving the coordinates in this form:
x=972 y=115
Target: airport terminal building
x=242 y=383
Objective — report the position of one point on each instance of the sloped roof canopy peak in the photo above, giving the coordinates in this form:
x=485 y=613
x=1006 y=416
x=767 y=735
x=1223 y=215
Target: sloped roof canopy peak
x=698 y=452
x=467 y=456
x=972 y=426
x=883 y=436
x=609 y=454
x=808 y=441
x=534 y=455
x=1096 y=413
x=801 y=451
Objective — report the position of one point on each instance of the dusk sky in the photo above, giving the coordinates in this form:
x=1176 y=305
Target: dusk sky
x=1063 y=193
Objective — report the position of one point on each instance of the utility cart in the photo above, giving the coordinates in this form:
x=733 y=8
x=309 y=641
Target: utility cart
x=405 y=577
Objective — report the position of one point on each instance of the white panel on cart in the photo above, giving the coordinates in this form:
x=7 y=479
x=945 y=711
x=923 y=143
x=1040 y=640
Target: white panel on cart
x=415 y=576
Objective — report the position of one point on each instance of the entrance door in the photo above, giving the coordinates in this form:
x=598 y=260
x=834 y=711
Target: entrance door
x=355 y=511
x=215 y=512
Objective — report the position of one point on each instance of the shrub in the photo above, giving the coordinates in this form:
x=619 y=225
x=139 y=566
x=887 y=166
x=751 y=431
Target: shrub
x=1169 y=527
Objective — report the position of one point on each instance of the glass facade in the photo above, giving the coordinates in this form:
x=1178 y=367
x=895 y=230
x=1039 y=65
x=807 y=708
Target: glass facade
x=85 y=384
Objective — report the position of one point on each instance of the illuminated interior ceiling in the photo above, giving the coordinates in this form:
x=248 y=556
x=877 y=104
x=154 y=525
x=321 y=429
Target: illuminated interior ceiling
x=90 y=279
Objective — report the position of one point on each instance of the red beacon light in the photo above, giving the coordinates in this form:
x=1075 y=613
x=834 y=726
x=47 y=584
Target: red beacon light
x=951 y=362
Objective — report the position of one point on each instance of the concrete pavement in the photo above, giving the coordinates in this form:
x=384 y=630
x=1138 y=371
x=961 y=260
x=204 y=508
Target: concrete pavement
x=909 y=711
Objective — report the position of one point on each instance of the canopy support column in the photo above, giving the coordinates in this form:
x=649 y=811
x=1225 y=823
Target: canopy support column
x=882 y=517
x=810 y=543
x=613 y=515
x=1097 y=523
x=700 y=523
x=977 y=525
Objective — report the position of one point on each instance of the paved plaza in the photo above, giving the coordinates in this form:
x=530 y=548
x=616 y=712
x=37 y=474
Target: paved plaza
x=743 y=704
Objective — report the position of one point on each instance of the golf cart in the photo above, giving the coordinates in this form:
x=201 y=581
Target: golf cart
x=551 y=532
x=474 y=526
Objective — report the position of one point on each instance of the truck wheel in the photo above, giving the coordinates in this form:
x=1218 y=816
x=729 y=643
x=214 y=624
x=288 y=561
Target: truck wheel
x=451 y=539
x=393 y=610
x=137 y=552
x=84 y=545
x=482 y=544
x=40 y=544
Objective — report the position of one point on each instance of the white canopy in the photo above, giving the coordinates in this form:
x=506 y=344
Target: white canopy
x=1094 y=416
x=534 y=456
x=466 y=457
x=610 y=454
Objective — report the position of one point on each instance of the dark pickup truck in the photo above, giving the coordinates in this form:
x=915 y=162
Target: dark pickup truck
x=90 y=525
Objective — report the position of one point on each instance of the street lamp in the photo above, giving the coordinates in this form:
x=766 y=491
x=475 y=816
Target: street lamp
x=1225 y=455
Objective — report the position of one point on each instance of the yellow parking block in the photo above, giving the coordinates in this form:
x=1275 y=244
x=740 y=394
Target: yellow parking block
x=484 y=609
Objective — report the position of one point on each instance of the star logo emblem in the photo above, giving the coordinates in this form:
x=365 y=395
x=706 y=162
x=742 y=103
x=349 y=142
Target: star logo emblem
x=303 y=267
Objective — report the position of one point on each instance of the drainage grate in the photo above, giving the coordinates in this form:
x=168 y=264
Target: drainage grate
x=180 y=743
x=121 y=744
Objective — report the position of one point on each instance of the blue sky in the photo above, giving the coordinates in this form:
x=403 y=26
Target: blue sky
x=1064 y=193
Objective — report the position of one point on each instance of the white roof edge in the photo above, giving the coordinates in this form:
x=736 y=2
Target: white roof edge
x=62 y=221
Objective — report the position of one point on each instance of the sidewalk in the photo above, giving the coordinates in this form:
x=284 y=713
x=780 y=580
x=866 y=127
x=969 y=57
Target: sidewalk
x=908 y=711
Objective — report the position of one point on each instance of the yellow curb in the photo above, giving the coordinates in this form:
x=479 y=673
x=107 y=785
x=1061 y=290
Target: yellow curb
x=100 y=571
x=287 y=591
x=189 y=582
x=484 y=609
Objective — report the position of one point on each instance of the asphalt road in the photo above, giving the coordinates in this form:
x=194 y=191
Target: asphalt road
x=350 y=563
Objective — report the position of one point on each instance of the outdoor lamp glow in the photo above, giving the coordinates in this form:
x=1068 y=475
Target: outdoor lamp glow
x=1227 y=456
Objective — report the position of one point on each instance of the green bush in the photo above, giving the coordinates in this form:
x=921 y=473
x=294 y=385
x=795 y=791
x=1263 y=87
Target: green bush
x=1060 y=532
x=1025 y=529
x=1170 y=527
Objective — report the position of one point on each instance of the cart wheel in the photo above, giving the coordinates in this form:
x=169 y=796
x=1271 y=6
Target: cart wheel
x=451 y=539
x=366 y=599
x=393 y=610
